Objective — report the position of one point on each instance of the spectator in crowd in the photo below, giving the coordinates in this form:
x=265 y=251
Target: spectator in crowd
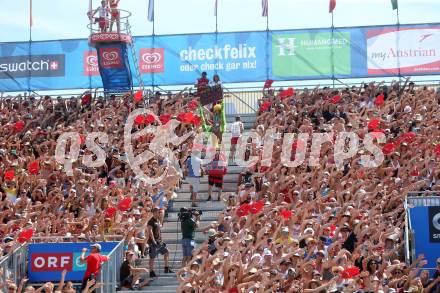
x=157 y=246
x=38 y=195
x=193 y=174
x=130 y=276
x=236 y=129
x=202 y=86
x=216 y=170
x=216 y=89
x=319 y=228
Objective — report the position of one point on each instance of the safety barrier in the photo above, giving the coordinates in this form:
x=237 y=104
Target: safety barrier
x=14 y=266
x=109 y=276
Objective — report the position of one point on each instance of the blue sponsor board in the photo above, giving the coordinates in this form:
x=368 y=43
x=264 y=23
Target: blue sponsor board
x=46 y=261
x=425 y=224
x=353 y=52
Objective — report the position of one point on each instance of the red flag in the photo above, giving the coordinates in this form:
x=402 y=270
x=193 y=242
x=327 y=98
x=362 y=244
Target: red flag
x=335 y=99
x=331 y=6
x=138 y=96
x=25 y=235
x=110 y=212
x=265 y=106
x=10 y=175
x=181 y=117
x=437 y=149
x=287 y=93
x=18 y=126
x=149 y=119
x=388 y=148
x=124 y=204
x=257 y=207
x=140 y=119
x=196 y=120
x=243 y=210
x=82 y=139
x=34 y=168
x=379 y=100
x=373 y=124
x=286 y=214
x=268 y=83
x=164 y=118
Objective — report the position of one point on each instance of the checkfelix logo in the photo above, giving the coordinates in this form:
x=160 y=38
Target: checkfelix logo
x=35 y=66
x=152 y=60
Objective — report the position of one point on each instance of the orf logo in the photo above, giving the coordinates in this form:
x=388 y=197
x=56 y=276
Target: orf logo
x=51 y=262
x=434 y=224
x=91 y=63
x=152 y=60
x=110 y=57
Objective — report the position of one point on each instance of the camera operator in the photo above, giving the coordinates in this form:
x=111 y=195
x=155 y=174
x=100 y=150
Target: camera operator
x=189 y=221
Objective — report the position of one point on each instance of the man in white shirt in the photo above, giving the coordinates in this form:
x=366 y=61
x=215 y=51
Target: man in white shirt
x=193 y=172
x=236 y=129
x=103 y=13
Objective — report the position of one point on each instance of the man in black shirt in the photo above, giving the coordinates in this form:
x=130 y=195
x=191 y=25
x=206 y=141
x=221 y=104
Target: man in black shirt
x=156 y=244
x=129 y=275
x=188 y=225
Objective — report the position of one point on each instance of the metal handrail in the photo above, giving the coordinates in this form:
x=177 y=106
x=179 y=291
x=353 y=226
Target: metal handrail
x=241 y=100
x=11 y=267
x=109 y=276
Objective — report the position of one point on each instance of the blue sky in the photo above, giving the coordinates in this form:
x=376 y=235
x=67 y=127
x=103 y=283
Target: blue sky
x=63 y=19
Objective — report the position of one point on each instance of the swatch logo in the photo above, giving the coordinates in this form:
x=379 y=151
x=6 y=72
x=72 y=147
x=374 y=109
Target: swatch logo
x=90 y=63
x=52 y=65
x=152 y=60
x=110 y=57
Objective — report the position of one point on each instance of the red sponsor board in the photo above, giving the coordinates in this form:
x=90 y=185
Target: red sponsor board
x=152 y=60
x=90 y=63
x=51 y=262
x=110 y=57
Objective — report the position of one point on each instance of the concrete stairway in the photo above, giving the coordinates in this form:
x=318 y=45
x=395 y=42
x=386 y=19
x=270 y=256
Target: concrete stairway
x=171 y=234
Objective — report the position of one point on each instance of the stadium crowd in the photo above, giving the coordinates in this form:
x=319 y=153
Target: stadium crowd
x=320 y=228
x=40 y=203
x=303 y=229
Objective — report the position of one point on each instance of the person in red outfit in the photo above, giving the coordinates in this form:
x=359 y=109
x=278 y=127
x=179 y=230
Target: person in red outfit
x=94 y=261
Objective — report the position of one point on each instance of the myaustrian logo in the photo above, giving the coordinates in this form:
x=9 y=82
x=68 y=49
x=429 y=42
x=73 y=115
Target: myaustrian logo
x=409 y=53
x=152 y=60
x=110 y=57
x=35 y=66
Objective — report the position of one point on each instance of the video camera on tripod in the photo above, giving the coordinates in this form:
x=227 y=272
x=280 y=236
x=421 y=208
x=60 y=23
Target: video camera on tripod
x=186 y=213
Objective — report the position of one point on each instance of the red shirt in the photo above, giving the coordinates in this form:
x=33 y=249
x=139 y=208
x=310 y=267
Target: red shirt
x=94 y=262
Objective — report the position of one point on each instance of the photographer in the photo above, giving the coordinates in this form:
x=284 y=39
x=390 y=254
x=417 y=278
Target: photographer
x=189 y=221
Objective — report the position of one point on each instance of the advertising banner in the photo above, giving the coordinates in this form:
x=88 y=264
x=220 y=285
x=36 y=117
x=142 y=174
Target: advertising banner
x=425 y=223
x=114 y=67
x=46 y=261
x=355 y=52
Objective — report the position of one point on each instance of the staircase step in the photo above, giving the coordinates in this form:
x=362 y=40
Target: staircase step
x=159 y=289
x=202 y=205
